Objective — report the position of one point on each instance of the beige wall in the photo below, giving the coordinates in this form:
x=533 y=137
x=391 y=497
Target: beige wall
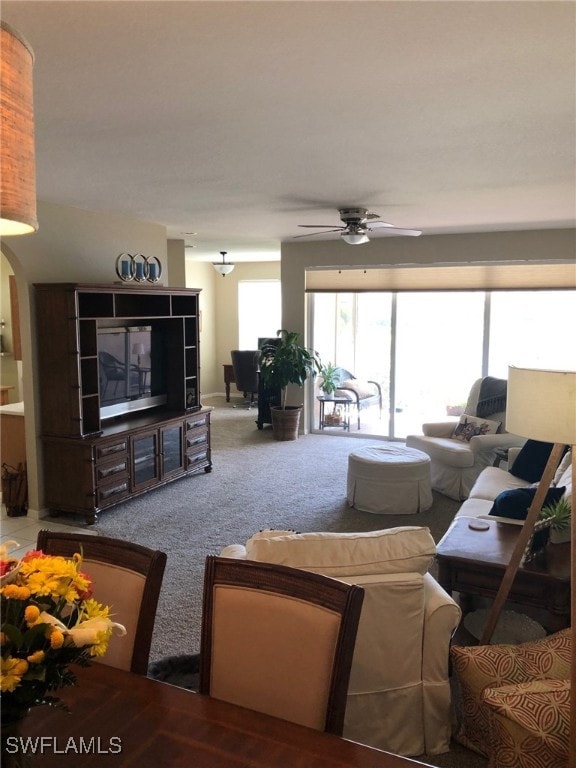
x=219 y=303
x=9 y=368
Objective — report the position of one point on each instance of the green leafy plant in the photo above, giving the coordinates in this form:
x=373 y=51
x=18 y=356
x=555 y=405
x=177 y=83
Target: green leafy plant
x=330 y=378
x=287 y=362
x=560 y=512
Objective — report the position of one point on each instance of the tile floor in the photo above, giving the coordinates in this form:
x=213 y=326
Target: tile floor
x=24 y=531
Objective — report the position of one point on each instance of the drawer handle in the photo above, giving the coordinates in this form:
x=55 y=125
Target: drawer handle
x=197 y=457
x=200 y=423
x=113 y=470
x=113 y=449
x=114 y=491
x=197 y=441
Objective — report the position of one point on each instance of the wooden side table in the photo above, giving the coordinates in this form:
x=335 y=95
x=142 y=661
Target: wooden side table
x=473 y=563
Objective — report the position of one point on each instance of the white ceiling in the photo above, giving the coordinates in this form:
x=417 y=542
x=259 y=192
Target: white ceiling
x=240 y=120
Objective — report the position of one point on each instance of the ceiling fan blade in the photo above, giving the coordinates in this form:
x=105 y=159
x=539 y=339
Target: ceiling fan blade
x=397 y=231
x=327 y=232
x=374 y=224
x=318 y=226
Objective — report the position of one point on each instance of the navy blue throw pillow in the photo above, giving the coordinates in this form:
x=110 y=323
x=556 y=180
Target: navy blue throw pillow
x=515 y=503
x=531 y=461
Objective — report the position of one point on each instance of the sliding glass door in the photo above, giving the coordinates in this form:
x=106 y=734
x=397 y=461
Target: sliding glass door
x=427 y=348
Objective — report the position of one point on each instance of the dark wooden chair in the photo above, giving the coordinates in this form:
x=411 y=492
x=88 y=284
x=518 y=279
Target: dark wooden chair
x=278 y=640
x=127 y=577
x=245 y=365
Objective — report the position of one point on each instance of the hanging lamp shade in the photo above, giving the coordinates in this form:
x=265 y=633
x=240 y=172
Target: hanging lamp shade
x=17 y=159
x=225 y=268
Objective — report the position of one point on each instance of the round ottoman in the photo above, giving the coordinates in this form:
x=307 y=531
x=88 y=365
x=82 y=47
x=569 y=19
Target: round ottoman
x=389 y=479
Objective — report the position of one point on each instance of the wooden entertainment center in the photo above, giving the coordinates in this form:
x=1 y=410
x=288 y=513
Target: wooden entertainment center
x=90 y=462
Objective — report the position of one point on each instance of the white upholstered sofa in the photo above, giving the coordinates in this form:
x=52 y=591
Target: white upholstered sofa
x=494 y=480
x=455 y=464
x=399 y=692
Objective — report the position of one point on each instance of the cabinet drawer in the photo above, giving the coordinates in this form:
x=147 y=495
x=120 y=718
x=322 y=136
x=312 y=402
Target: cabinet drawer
x=113 y=492
x=110 y=449
x=196 y=438
x=199 y=455
x=115 y=469
x=196 y=422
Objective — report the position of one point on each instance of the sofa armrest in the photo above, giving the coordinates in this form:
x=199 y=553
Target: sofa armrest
x=234 y=551
x=485 y=443
x=439 y=428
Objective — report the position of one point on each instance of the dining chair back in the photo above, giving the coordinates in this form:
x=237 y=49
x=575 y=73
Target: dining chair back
x=278 y=640
x=127 y=577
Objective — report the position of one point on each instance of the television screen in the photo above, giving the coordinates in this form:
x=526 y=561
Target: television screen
x=130 y=369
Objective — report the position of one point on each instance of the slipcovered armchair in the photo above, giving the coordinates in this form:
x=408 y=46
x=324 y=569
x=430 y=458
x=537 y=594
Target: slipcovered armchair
x=399 y=692
x=459 y=451
x=362 y=393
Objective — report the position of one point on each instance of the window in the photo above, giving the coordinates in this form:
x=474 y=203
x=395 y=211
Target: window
x=259 y=311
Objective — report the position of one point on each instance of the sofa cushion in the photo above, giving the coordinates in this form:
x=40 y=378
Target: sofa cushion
x=515 y=503
x=362 y=388
x=470 y=426
x=492 y=481
x=531 y=461
x=394 y=550
x=493 y=666
x=531 y=719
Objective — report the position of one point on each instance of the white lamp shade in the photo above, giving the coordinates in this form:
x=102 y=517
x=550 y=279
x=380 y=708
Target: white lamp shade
x=541 y=405
x=223 y=269
x=138 y=348
x=17 y=157
x=355 y=238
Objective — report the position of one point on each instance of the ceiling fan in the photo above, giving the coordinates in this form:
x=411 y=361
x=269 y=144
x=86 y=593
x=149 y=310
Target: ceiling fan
x=357 y=223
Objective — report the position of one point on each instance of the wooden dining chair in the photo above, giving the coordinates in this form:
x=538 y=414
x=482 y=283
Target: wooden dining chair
x=127 y=577
x=278 y=640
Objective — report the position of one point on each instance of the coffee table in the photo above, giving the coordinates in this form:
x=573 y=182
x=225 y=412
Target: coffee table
x=473 y=563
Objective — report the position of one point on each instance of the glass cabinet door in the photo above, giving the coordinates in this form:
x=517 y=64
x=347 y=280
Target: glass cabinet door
x=172 y=449
x=145 y=469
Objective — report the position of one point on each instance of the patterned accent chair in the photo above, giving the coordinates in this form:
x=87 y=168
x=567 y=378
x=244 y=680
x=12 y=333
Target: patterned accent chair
x=516 y=701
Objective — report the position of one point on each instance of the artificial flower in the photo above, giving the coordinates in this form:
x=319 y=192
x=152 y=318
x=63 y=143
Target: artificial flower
x=49 y=621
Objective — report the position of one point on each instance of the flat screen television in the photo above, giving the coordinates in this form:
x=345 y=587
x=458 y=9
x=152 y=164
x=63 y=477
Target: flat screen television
x=130 y=369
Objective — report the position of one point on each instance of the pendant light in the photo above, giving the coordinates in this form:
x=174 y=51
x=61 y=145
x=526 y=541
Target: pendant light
x=17 y=160
x=224 y=268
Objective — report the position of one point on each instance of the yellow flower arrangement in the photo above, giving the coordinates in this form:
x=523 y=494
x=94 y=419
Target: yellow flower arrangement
x=49 y=620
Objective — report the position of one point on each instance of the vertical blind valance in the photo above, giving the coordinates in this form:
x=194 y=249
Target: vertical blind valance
x=453 y=277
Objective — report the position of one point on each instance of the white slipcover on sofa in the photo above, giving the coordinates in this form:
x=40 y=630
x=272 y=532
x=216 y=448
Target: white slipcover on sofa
x=494 y=480
x=399 y=692
x=455 y=464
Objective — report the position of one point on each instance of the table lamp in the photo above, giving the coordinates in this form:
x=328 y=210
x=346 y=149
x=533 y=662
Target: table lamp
x=139 y=349
x=541 y=405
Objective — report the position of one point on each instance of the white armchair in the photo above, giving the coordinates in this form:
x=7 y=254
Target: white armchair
x=399 y=691
x=455 y=464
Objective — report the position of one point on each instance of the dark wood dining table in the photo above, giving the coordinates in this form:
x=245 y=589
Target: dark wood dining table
x=120 y=719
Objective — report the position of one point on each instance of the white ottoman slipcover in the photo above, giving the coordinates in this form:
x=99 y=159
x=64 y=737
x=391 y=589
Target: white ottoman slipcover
x=389 y=479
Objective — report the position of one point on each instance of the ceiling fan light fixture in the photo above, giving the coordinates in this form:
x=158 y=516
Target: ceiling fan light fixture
x=225 y=268
x=355 y=238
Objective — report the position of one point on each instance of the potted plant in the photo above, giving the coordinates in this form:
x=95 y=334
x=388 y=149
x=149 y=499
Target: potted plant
x=330 y=380
x=281 y=363
x=560 y=512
